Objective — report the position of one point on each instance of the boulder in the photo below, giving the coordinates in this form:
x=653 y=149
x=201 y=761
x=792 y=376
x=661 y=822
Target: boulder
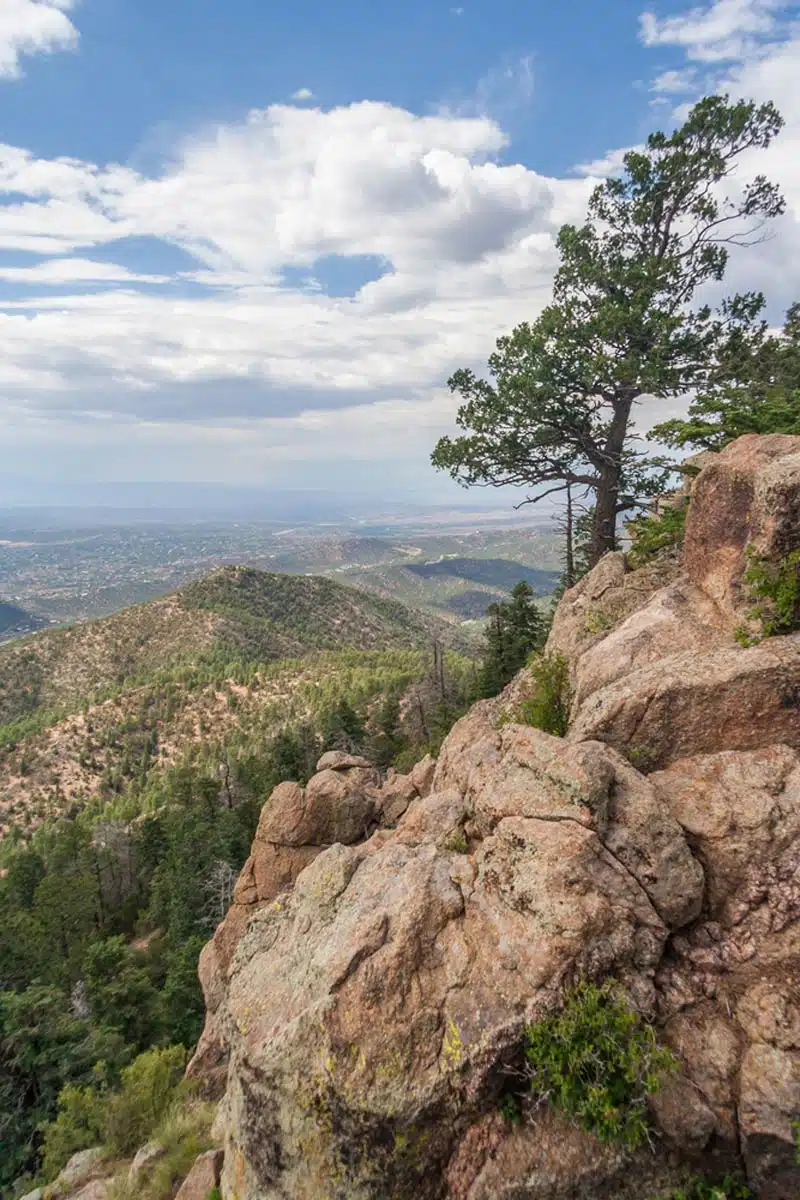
x=80 y=1174
x=601 y=600
x=339 y=804
x=203 y=1177
x=208 y=1066
x=682 y=1114
x=688 y=704
x=769 y=1099
x=369 y=1012
x=769 y=1011
x=741 y=811
x=768 y=1106
x=519 y=771
x=335 y=806
x=549 y=1158
x=748 y=496
x=95 y=1189
x=395 y=796
x=709 y=1045
x=494 y=1159
x=337 y=760
x=144 y=1158
x=677 y=619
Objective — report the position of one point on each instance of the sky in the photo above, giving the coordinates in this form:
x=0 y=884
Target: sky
x=248 y=243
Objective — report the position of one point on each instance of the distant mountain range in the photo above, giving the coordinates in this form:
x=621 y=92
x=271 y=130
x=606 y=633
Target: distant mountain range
x=102 y=503
x=498 y=573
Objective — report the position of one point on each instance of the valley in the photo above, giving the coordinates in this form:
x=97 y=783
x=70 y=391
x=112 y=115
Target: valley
x=60 y=573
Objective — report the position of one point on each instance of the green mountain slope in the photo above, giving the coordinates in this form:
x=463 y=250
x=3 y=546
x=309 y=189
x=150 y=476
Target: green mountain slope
x=501 y=573
x=236 y=613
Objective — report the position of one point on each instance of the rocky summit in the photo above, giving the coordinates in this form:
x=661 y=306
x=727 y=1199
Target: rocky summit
x=392 y=938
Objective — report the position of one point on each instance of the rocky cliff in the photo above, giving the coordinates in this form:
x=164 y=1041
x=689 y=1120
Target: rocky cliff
x=392 y=938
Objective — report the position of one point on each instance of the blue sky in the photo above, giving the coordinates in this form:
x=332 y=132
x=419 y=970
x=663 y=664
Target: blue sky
x=246 y=242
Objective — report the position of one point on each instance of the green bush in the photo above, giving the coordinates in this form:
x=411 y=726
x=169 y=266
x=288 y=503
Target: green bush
x=653 y=535
x=510 y=1108
x=80 y=1124
x=121 y=1119
x=182 y=1134
x=598 y=1061
x=147 y=1089
x=774 y=589
x=547 y=708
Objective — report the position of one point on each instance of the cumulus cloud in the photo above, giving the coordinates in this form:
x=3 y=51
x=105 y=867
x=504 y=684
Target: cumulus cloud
x=467 y=244
x=675 y=83
x=747 y=48
x=721 y=31
x=464 y=237
x=33 y=27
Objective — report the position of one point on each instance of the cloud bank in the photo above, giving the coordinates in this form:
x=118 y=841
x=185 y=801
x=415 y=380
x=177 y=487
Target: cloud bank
x=248 y=347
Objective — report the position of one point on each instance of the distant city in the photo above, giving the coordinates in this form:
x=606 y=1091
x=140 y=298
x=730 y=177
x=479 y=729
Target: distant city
x=62 y=564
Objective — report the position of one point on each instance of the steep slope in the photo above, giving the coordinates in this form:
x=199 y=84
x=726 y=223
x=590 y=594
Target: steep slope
x=112 y=754
x=236 y=613
x=396 y=944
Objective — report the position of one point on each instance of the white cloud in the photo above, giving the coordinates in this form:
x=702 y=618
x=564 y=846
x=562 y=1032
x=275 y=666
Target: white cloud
x=303 y=93
x=467 y=243
x=675 y=83
x=601 y=168
x=278 y=375
x=503 y=94
x=33 y=27
x=724 y=30
x=60 y=271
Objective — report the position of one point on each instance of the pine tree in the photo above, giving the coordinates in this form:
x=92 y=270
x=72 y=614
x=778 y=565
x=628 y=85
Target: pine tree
x=514 y=630
x=558 y=407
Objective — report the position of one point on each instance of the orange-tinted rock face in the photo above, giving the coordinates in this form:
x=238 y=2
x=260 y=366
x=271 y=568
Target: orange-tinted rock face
x=342 y=802
x=748 y=496
x=390 y=939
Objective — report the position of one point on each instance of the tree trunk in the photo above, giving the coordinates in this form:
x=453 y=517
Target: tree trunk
x=604 y=529
x=569 y=574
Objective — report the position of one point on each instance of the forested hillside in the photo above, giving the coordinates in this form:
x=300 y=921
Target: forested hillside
x=138 y=755
x=236 y=613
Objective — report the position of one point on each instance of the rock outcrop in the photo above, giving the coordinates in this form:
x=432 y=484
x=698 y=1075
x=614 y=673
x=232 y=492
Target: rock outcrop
x=344 y=801
x=85 y=1177
x=203 y=1177
x=749 y=496
x=391 y=937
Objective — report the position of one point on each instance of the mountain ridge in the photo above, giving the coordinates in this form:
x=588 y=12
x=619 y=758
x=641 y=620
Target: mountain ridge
x=236 y=612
